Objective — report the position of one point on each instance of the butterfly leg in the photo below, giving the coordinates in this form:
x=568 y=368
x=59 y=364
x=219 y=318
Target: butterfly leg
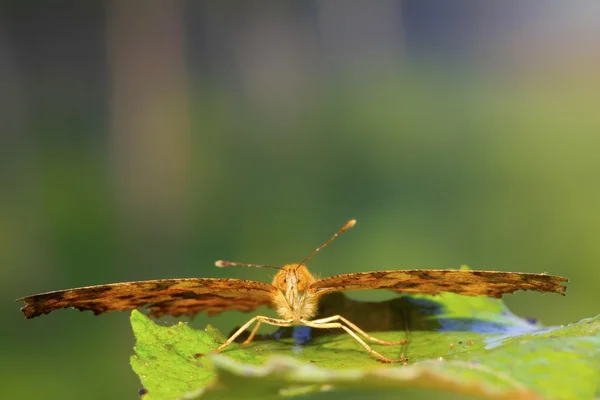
x=252 y=334
x=357 y=329
x=334 y=325
x=260 y=319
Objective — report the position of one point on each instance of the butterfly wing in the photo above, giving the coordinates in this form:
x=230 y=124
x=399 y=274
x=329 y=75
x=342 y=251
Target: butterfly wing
x=163 y=297
x=432 y=281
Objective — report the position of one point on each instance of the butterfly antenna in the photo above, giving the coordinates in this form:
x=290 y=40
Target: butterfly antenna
x=223 y=264
x=343 y=229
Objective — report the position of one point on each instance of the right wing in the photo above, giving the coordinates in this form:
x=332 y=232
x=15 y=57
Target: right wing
x=185 y=296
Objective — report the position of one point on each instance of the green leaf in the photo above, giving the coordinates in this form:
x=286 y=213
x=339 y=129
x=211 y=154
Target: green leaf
x=469 y=345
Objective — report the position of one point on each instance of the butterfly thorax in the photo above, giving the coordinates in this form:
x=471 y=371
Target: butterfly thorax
x=295 y=300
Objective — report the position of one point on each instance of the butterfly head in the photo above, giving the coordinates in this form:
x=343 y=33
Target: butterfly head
x=294 y=281
x=293 y=278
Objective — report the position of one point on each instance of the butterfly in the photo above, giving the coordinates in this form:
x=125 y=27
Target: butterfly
x=294 y=294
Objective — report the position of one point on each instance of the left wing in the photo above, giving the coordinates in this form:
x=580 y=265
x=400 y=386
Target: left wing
x=432 y=281
x=175 y=297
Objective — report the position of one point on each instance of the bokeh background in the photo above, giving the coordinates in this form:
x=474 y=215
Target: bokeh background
x=146 y=139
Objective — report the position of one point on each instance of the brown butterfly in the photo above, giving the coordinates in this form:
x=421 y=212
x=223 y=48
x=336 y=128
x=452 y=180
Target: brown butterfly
x=294 y=294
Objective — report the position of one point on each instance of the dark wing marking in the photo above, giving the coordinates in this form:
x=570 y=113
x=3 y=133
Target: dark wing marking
x=163 y=297
x=432 y=281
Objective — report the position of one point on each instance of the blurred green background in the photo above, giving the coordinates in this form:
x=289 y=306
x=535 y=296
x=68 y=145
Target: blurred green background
x=145 y=140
